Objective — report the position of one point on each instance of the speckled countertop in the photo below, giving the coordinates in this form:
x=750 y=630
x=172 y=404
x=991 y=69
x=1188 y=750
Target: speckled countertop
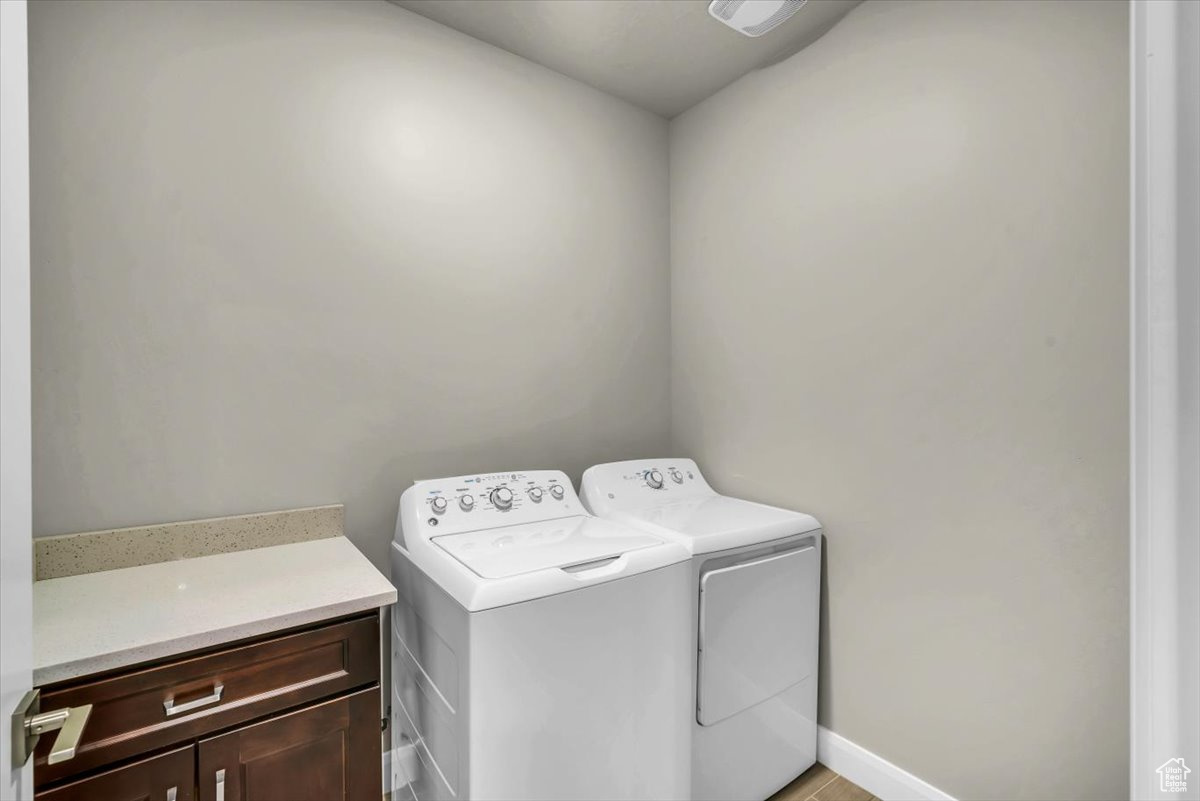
x=111 y=549
x=100 y=621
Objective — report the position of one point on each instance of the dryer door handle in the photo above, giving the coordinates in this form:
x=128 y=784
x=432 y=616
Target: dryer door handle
x=762 y=560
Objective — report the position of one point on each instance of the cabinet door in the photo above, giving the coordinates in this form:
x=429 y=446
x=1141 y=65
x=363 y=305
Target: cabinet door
x=166 y=777
x=325 y=752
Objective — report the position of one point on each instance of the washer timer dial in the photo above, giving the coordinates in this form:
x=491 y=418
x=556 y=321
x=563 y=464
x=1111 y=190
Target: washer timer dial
x=502 y=498
x=654 y=479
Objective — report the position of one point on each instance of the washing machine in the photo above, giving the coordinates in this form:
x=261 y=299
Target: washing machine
x=754 y=599
x=538 y=652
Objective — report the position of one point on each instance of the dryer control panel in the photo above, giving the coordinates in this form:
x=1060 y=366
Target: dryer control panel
x=649 y=480
x=468 y=503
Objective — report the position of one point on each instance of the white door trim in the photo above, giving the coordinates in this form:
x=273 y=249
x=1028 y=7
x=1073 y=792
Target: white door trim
x=1165 y=360
x=16 y=548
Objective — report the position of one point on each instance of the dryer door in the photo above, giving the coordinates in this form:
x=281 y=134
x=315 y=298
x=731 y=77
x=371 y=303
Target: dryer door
x=758 y=631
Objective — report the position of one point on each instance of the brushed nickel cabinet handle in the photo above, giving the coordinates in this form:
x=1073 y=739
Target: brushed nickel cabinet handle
x=172 y=793
x=221 y=784
x=171 y=709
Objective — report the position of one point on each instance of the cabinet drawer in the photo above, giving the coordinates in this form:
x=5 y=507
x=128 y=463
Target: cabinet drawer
x=166 y=777
x=160 y=705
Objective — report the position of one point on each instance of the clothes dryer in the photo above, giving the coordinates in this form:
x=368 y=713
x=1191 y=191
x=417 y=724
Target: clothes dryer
x=754 y=596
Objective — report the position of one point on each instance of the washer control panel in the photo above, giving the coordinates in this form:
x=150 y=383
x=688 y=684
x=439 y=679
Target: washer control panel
x=489 y=500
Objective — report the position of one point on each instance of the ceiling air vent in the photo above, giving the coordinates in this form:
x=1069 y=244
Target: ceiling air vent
x=753 y=17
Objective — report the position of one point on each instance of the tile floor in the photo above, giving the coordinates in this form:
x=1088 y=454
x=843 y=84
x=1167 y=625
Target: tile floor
x=819 y=783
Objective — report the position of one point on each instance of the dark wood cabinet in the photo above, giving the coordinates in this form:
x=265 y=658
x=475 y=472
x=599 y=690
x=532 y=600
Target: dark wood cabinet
x=320 y=753
x=166 y=777
x=292 y=716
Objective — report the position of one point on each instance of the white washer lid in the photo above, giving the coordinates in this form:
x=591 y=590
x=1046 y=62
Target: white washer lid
x=513 y=550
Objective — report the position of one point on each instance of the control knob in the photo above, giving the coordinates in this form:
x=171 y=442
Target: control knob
x=557 y=491
x=438 y=504
x=502 y=498
x=535 y=494
x=466 y=502
x=676 y=476
x=654 y=479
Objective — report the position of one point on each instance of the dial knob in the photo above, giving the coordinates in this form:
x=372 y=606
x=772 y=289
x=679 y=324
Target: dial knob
x=654 y=479
x=466 y=502
x=535 y=493
x=557 y=491
x=438 y=504
x=677 y=477
x=502 y=498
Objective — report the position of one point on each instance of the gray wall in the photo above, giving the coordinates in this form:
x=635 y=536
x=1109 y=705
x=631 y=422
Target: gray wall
x=899 y=299
x=302 y=253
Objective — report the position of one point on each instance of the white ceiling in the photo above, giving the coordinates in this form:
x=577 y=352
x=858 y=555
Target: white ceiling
x=662 y=55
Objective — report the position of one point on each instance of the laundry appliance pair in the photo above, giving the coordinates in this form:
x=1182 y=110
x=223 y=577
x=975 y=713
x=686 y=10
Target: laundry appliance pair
x=654 y=640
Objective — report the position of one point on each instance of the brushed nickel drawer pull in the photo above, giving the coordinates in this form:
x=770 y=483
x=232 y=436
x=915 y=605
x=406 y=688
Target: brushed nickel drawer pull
x=221 y=784
x=172 y=793
x=170 y=708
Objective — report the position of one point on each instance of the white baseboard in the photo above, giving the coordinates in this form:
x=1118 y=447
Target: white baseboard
x=872 y=772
